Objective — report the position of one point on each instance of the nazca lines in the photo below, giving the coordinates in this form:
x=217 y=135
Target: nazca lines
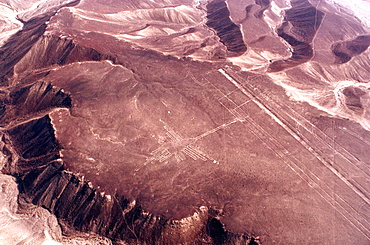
x=316 y=142
x=347 y=199
x=178 y=147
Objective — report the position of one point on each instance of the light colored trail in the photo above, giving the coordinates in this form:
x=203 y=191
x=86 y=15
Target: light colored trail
x=314 y=131
x=319 y=185
x=340 y=159
x=344 y=206
x=214 y=130
x=296 y=136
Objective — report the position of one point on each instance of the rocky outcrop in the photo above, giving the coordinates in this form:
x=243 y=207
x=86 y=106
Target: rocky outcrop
x=79 y=206
x=264 y=4
x=346 y=50
x=19 y=44
x=30 y=101
x=27 y=151
x=353 y=99
x=25 y=223
x=52 y=50
x=229 y=33
x=300 y=24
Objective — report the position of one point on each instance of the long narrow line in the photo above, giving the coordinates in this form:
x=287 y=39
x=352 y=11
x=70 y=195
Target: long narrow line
x=316 y=132
x=295 y=136
x=214 y=130
x=303 y=175
x=356 y=167
x=299 y=171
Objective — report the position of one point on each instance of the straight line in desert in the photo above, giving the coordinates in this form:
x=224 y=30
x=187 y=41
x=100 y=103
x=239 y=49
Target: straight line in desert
x=295 y=135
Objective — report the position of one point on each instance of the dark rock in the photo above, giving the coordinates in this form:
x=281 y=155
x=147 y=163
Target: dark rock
x=229 y=33
x=34 y=139
x=298 y=29
x=353 y=99
x=19 y=44
x=31 y=100
x=216 y=231
x=305 y=20
x=265 y=4
x=344 y=51
x=52 y=50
